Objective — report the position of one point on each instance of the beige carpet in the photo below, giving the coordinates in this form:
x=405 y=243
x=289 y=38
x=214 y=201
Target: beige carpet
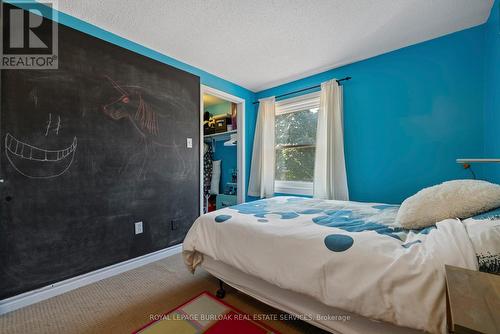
x=123 y=303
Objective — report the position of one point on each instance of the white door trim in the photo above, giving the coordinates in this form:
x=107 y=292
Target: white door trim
x=49 y=291
x=241 y=139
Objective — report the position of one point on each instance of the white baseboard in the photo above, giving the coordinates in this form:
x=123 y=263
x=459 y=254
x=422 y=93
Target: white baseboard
x=35 y=296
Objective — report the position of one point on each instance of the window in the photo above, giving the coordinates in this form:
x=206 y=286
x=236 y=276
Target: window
x=296 y=121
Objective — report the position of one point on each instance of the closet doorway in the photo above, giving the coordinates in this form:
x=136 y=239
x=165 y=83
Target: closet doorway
x=222 y=152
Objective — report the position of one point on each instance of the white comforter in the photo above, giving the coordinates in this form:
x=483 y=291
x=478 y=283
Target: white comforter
x=345 y=254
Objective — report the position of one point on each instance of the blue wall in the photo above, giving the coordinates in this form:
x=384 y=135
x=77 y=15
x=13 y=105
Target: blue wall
x=492 y=93
x=409 y=114
x=219 y=109
x=227 y=154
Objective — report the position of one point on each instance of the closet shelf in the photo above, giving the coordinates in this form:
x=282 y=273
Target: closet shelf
x=219 y=136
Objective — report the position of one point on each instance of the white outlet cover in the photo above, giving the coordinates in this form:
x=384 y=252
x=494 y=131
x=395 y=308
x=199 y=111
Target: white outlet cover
x=189 y=142
x=138 y=228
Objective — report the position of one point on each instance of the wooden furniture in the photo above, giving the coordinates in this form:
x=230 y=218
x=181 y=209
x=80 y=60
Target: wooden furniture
x=472 y=301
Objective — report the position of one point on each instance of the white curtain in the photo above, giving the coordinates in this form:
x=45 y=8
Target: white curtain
x=262 y=171
x=330 y=180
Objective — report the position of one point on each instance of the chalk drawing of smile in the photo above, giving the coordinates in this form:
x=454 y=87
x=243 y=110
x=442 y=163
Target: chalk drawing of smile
x=38 y=163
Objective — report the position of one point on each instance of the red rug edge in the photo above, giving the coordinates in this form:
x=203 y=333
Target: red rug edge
x=205 y=292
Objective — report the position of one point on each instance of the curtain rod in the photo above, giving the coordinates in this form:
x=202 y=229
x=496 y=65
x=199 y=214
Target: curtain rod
x=465 y=161
x=304 y=89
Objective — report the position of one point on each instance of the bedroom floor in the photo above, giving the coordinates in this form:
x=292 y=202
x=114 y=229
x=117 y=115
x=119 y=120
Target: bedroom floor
x=123 y=303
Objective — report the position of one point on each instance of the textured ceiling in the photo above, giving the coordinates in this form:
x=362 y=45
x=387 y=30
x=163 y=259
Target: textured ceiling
x=260 y=43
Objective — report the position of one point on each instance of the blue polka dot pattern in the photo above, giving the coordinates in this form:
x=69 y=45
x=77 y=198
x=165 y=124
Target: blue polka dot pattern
x=338 y=242
x=384 y=206
x=222 y=218
x=351 y=221
x=260 y=209
x=310 y=211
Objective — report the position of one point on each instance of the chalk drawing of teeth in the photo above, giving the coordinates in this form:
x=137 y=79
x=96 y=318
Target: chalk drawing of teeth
x=38 y=163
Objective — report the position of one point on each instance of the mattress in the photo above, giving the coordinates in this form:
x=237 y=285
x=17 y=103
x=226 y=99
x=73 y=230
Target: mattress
x=303 y=307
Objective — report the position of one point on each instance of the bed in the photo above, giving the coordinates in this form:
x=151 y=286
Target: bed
x=299 y=305
x=318 y=257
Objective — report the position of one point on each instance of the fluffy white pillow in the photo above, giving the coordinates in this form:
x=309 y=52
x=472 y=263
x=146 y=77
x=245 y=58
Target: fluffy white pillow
x=484 y=233
x=452 y=199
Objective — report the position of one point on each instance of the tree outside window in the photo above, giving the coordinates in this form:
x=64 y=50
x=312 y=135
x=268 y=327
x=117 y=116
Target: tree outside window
x=295 y=145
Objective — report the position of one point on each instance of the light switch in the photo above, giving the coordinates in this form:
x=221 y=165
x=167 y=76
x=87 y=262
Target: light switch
x=138 y=228
x=189 y=142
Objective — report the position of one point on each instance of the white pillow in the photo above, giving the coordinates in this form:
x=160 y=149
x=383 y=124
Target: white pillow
x=484 y=233
x=214 y=185
x=452 y=199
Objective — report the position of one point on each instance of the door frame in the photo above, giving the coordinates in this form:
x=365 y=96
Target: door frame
x=240 y=119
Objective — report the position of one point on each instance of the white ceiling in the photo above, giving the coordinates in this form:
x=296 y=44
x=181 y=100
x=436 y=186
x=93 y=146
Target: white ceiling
x=262 y=43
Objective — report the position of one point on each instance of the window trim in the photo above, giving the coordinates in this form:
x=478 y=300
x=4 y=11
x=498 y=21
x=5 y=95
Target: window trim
x=293 y=187
x=299 y=103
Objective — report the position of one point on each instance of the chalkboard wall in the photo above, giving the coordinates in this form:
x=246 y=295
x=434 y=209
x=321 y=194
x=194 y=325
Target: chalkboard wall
x=87 y=150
